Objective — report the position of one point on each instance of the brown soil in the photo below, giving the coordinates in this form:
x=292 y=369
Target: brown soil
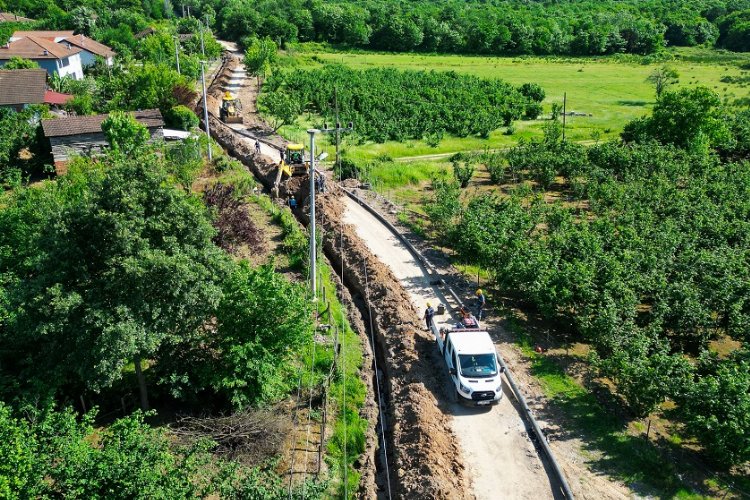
x=422 y=450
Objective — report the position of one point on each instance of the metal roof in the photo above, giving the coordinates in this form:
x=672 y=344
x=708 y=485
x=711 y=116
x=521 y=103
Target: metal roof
x=472 y=342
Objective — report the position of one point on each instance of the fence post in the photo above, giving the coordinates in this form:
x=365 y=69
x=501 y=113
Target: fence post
x=323 y=427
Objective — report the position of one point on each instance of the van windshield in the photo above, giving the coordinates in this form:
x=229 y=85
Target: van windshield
x=477 y=365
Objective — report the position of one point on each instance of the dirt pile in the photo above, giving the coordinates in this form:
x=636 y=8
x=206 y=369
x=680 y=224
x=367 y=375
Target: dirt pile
x=423 y=454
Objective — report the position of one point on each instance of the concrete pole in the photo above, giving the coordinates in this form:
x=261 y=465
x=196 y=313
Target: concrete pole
x=203 y=47
x=313 y=270
x=177 y=52
x=205 y=111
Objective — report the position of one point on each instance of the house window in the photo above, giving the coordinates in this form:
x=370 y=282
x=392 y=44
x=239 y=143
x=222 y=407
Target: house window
x=65 y=62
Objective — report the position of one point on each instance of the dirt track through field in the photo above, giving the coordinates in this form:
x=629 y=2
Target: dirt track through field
x=499 y=457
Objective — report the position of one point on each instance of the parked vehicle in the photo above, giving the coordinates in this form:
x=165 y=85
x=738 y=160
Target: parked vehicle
x=473 y=365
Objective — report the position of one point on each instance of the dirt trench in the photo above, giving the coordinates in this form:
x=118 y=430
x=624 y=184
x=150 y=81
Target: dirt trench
x=423 y=455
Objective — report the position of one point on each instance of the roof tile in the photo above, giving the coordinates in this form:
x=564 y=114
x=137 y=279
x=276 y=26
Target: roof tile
x=22 y=86
x=75 y=125
x=36 y=48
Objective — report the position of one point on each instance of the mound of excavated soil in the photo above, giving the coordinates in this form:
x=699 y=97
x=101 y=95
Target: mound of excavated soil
x=423 y=453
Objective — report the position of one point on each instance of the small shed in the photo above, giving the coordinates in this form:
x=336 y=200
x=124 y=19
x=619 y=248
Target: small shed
x=83 y=135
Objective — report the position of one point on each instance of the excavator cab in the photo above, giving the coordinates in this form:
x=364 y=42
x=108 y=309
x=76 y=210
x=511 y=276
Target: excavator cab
x=230 y=109
x=295 y=158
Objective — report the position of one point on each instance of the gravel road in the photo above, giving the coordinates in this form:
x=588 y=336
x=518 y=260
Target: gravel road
x=500 y=459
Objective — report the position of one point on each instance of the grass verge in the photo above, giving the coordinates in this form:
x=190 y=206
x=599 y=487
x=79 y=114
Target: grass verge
x=347 y=392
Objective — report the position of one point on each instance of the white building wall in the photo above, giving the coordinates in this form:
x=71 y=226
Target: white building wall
x=74 y=68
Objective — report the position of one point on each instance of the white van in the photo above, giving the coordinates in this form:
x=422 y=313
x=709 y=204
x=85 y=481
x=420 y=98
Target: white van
x=473 y=365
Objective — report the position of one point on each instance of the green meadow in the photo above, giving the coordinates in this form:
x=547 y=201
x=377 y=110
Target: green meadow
x=610 y=91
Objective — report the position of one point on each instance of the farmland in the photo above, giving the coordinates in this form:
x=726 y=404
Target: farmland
x=613 y=90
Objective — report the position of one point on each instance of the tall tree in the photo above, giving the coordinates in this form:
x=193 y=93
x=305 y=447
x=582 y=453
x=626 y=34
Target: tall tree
x=98 y=271
x=661 y=78
x=260 y=56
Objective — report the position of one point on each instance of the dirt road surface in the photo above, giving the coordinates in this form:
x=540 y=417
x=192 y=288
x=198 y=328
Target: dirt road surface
x=499 y=457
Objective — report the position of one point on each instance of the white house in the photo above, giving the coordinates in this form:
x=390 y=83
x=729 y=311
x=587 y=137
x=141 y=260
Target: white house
x=63 y=59
x=90 y=48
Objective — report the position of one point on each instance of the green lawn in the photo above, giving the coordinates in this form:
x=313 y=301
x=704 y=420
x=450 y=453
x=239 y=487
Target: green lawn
x=612 y=90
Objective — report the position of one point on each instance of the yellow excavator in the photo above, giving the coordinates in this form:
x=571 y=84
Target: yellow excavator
x=230 y=109
x=294 y=158
x=293 y=163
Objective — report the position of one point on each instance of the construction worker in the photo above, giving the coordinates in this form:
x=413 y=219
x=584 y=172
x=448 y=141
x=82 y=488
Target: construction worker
x=257 y=147
x=429 y=313
x=481 y=302
x=292 y=203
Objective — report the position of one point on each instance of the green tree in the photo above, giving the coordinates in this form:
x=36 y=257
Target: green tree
x=20 y=131
x=661 y=78
x=16 y=62
x=83 y=20
x=716 y=409
x=260 y=57
x=108 y=264
x=463 y=168
x=123 y=132
x=645 y=372
x=261 y=321
x=282 y=108
x=445 y=205
x=689 y=118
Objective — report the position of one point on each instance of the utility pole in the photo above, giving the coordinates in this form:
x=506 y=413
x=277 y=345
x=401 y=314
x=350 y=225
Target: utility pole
x=313 y=253
x=177 y=52
x=205 y=111
x=203 y=47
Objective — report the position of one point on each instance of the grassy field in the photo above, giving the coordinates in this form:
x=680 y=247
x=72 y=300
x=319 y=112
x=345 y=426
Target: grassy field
x=612 y=90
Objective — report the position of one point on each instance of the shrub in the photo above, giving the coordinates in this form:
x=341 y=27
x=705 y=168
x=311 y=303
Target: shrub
x=181 y=117
x=717 y=408
x=463 y=168
x=495 y=164
x=434 y=137
x=533 y=91
x=532 y=111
